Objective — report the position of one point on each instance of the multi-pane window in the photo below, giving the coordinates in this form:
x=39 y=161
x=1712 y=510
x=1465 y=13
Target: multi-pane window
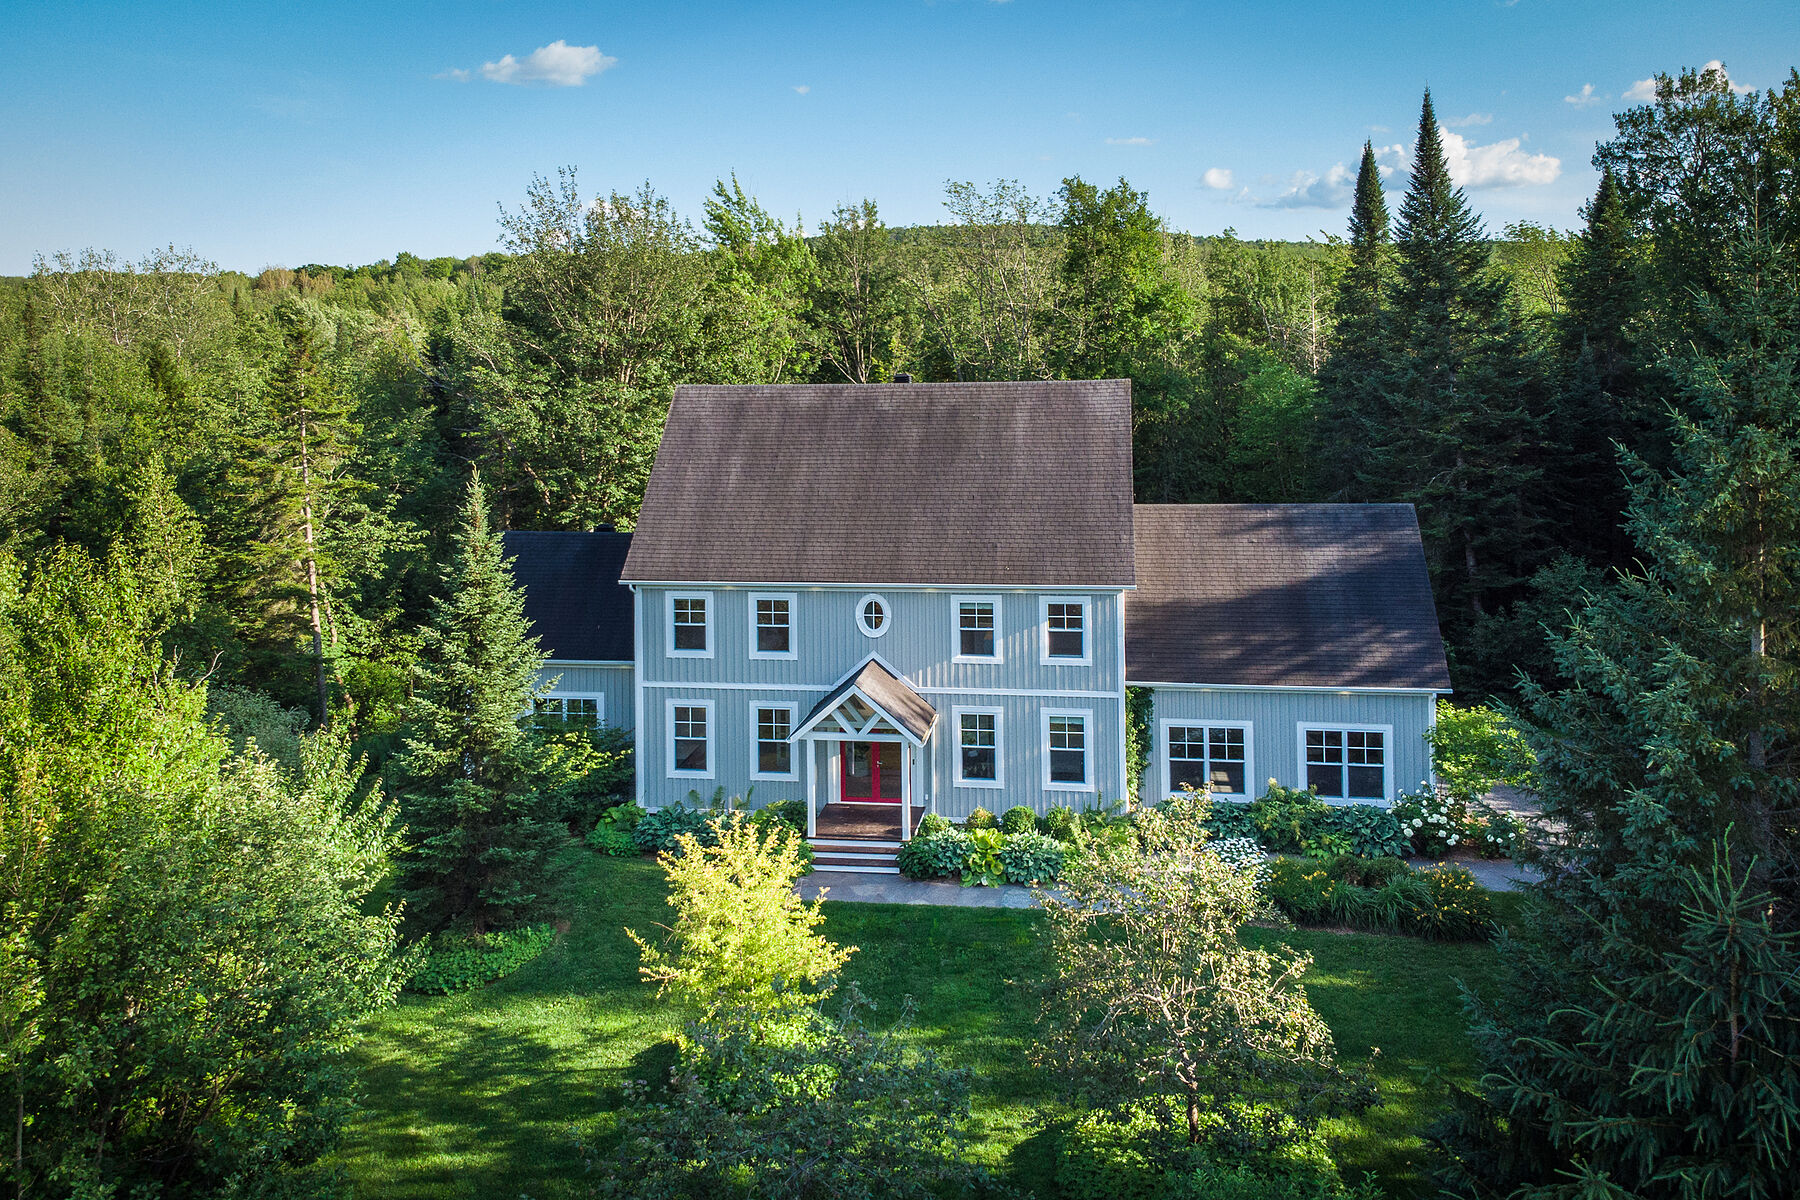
x=979 y=734
x=1065 y=629
x=774 y=756
x=574 y=710
x=1207 y=755
x=975 y=629
x=688 y=724
x=774 y=625
x=687 y=617
x=1067 y=736
x=1347 y=764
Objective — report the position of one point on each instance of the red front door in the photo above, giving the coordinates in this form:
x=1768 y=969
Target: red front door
x=871 y=772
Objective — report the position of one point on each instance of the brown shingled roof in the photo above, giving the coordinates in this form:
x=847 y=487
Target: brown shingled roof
x=1014 y=484
x=1282 y=595
x=888 y=692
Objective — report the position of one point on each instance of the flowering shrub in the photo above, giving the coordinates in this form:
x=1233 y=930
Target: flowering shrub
x=1458 y=909
x=1436 y=824
x=1497 y=835
x=1239 y=853
x=1300 y=889
x=1382 y=895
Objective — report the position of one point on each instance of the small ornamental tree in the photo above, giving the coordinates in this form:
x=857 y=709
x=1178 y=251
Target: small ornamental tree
x=472 y=782
x=1475 y=749
x=742 y=938
x=1154 y=1003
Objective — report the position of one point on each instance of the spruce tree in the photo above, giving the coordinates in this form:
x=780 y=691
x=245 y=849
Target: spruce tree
x=481 y=830
x=1644 y=1045
x=1457 y=397
x=1346 y=377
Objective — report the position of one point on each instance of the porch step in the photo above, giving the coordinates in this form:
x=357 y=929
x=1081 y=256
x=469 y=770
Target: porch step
x=852 y=845
x=858 y=855
x=853 y=869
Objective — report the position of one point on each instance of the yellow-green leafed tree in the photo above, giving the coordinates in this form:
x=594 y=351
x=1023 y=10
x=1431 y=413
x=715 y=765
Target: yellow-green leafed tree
x=742 y=938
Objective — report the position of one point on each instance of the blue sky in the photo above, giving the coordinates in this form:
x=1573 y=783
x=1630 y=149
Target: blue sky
x=344 y=132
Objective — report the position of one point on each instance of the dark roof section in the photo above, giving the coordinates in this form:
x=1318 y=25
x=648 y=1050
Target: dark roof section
x=1004 y=484
x=577 y=607
x=1282 y=595
x=891 y=694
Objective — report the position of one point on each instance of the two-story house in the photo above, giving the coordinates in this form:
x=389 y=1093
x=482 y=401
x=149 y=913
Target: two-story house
x=885 y=600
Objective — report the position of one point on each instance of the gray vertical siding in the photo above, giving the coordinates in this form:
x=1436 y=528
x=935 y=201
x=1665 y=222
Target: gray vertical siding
x=1276 y=716
x=614 y=683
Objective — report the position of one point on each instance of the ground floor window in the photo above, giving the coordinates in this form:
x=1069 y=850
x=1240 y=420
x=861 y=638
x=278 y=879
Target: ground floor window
x=1347 y=764
x=690 y=738
x=1066 y=749
x=1203 y=755
x=587 y=711
x=978 y=747
x=774 y=754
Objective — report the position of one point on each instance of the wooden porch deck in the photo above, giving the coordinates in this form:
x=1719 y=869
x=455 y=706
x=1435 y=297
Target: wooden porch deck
x=862 y=822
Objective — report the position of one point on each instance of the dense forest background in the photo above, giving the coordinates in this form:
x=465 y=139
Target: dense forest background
x=317 y=425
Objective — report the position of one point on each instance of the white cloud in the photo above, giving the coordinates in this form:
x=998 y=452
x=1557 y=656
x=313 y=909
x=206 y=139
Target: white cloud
x=1217 y=178
x=1472 y=119
x=802 y=88
x=1308 y=189
x=1498 y=164
x=556 y=65
x=1644 y=90
x=1131 y=141
x=1584 y=97
x=456 y=74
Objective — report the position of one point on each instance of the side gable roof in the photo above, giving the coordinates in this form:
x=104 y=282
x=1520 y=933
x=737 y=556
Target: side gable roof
x=1282 y=595
x=1000 y=484
x=577 y=607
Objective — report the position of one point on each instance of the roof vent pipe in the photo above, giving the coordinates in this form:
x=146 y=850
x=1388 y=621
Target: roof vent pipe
x=902 y=377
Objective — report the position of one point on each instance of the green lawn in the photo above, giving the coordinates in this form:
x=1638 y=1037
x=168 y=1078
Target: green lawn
x=482 y=1095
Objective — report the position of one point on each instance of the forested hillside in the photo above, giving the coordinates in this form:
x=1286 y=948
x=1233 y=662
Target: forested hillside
x=314 y=427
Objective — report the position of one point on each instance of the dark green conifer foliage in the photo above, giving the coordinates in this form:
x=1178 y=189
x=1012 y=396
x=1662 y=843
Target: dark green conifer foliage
x=480 y=831
x=1457 y=400
x=1348 y=374
x=1639 y=1044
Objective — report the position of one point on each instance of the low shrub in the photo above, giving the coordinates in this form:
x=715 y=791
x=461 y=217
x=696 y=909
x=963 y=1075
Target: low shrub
x=1232 y=819
x=658 y=828
x=1496 y=835
x=932 y=823
x=1030 y=857
x=981 y=818
x=1372 y=831
x=611 y=834
x=458 y=962
x=981 y=866
x=934 y=855
x=1292 y=821
x=1458 y=908
x=791 y=813
x=1300 y=889
x=1367 y=872
x=1435 y=823
x=1018 y=819
x=1060 y=823
x=1239 y=853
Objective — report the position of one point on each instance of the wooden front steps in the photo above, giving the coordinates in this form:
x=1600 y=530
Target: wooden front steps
x=859 y=856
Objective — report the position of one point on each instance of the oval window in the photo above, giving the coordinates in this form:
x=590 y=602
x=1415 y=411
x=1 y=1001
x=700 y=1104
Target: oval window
x=872 y=615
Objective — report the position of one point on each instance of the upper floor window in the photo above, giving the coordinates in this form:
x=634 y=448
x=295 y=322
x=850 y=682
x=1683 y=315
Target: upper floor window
x=1203 y=755
x=586 y=711
x=1066 y=629
x=690 y=737
x=1067 y=762
x=978 y=747
x=690 y=624
x=1346 y=764
x=774 y=753
x=772 y=625
x=872 y=615
x=978 y=628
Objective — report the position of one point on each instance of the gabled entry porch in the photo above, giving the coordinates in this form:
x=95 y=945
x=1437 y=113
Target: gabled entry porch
x=863 y=745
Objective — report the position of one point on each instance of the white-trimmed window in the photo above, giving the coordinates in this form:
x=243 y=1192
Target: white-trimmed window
x=1068 y=749
x=772 y=625
x=1067 y=632
x=1199 y=753
x=690 y=738
x=690 y=625
x=872 y=616
x=977 y=630
x=586 y=709
x=979 y=746
x=774 y=753
x=1347 y=762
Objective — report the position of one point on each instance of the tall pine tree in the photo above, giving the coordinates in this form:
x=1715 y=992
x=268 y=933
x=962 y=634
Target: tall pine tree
x=1645 y=1045
x=481 y=825
x=1358 y=339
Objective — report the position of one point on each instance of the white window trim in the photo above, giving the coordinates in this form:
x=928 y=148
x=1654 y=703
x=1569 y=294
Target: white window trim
x=999 y=715
x=887 y=609
x=756 y=740
x=1387 y=753
x=1087 y=751
x=956 y=654
x=599 y=699
x=1163 y=726
x=669 y=625
x=793 y=603
x=712 y=740
x=1087 y=631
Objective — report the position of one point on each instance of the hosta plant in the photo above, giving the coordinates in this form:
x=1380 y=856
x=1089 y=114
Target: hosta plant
x=982 y=866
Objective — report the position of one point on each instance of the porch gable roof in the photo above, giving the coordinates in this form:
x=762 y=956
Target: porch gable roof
x=884 y=694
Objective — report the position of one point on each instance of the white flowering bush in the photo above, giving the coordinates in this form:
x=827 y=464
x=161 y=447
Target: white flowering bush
x=1437 y=824
x=1240 y=854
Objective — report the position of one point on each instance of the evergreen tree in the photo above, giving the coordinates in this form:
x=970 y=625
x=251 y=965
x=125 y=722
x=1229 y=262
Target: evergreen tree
x=1456 y=400
x=1637 y=1050
x=481 y=826
x=1348 y=373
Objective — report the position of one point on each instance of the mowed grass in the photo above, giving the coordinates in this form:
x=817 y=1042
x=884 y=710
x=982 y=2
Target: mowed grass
x=490 y=1094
